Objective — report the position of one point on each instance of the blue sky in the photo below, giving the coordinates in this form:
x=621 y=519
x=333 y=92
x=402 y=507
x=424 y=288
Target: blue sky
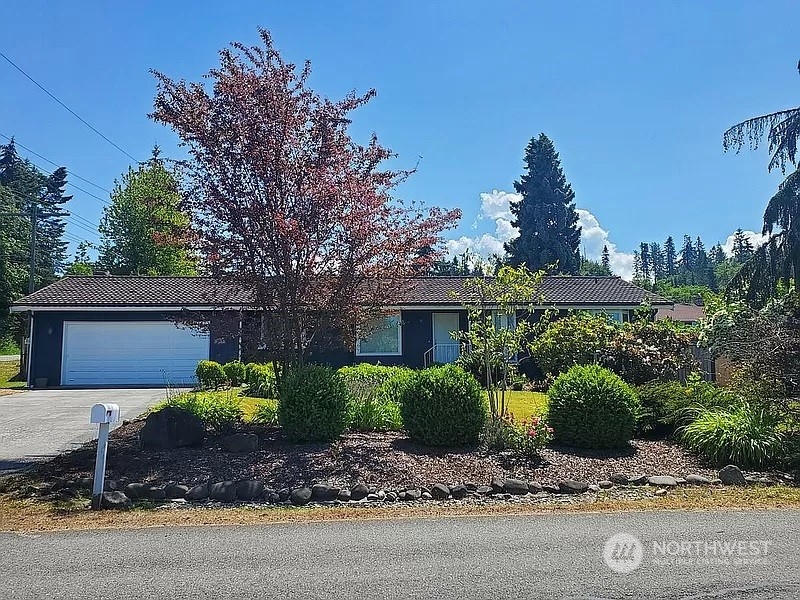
x=635 y=95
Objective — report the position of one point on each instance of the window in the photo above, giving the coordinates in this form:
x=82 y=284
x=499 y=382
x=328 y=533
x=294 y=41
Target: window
x=503 y=320
x=382 y=337
x=614 y=315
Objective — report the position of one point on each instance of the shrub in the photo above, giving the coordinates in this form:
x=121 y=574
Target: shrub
x=524 y=438
x=572 y=340
x=374 y=414
x=376 y=382
x=666 y=405
x=747 y=435
x=220 y=411
x=260 y=380
x=235 y=372
x=210 y=374
x=592 y=407
x=444 y=406
x=266 y=413
x=474 y=363
x=312 y=404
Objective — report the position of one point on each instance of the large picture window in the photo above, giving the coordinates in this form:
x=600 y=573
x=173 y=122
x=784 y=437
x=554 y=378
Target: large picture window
x=381 y=337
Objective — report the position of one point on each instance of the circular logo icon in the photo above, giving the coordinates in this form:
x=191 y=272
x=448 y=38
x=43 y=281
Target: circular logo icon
x=623 y=553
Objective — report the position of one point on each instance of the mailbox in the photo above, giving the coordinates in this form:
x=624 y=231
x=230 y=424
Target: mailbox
x=104 y=413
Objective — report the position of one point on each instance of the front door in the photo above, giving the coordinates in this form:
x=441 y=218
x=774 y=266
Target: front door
x=446 y=349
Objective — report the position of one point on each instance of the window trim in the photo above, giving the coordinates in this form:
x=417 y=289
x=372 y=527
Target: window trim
x=395 y=314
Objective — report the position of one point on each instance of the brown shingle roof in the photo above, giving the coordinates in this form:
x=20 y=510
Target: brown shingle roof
x=683 y=313
x=142 y=291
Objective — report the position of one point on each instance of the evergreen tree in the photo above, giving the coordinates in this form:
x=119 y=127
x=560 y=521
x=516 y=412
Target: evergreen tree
x=742 y=247
x=687 y=255
x=716 y=255
x=644 y=257
x=593 y=267
x=701 y=266
x=605 y=260
x=637 y=267
x=670 y=256
x=143 y=230
x=549 y=235
x=81 y=263
x=657 y=261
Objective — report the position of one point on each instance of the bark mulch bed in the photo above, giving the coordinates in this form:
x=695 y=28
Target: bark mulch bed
x=387 y=460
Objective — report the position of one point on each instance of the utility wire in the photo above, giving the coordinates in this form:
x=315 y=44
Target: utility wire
x=67 y=108
x=55 y=164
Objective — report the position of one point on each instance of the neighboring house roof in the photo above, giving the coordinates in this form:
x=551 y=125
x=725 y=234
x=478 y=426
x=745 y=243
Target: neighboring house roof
x=196 y=292
x=682 y=313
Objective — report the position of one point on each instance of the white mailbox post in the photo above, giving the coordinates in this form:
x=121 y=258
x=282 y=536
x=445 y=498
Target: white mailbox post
x=103 y=415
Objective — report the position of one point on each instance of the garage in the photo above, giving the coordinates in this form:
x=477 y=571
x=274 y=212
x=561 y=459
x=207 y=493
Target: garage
x=131 y=353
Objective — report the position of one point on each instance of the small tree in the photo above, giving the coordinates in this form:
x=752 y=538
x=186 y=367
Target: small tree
x=492 y=305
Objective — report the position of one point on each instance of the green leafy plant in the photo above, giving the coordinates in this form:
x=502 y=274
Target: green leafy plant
x=525 y=437
x=220 y=411
x=747 y=435
x=210 y=375
x=375 y=392
x=235 y=371
x=444 y=406
x=592 y=407
x=266 y=413
x=312 y=404
x=373 y=414
x=260 y=379
x=576 y=339
x=667 y=405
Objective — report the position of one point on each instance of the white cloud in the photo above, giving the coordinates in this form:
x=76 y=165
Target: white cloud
x=755 y=238
x=496 y=205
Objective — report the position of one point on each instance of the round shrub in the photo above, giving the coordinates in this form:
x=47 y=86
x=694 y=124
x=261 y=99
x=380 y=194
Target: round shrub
x=235 y=372
x=312 y=404
x=444 y=406
x=260 y=380
x=210 y=374
x=592 y=407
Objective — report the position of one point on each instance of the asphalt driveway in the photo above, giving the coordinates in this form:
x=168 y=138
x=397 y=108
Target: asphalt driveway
x=38 y=424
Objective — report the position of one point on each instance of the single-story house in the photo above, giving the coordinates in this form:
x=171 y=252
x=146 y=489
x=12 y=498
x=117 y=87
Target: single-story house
x=127 y=330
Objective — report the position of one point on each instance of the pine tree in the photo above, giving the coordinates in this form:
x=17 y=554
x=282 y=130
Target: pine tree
x=644 y=257
x=701 y=266
x=687 y=255
x=549 y=236
x=670 y=256
x=657 y=261
x=742 y=247
x=716 y=255
x=605 y=260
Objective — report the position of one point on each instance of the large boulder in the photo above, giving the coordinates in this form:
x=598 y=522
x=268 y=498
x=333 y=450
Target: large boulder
x=300 y=496
x=197 y=493
x=115 y=500
x=517 y=487
x=223 y=491
x=322 y=492
x=171 y=427
x=732 y=475
x=251 y=489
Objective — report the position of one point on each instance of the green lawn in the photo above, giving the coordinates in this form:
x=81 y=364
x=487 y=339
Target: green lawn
x=248 y=404
x=9 y=375
x=526 y=404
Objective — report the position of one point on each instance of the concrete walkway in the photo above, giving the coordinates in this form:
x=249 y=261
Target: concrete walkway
x=38 y=424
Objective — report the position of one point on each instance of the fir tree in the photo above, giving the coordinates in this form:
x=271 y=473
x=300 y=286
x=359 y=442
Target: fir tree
x=605 y=260
x=644 y=257
x=549 y=235
x=670 y=256
x=657 y=261
x=742 y=247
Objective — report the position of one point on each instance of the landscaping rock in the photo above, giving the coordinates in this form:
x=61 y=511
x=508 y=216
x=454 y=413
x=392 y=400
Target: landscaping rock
x=716 y=481
x=343 y=495
x=472 y=487
x=605 y=484
x=485 y=490
x=534 y=487
x=84 y=483
x=497 y=485
x=458 y=491
x=300 y=496
x=517 y=487
x=391 y=497
x=569 y=486
x=413 y=495
x=594 y=488
x=697 y=480
x=381 y=494
x=241 y=442
x=111 y=485
x=273 y=498
x=426 y=496
x=322 y=492
x=662 y=481
x=619 y=478
x=373 y=498
x=661 y=492
x=175 y=490
x=637 y=479
x=732 y=475
x=250 y=490
x=550 y=488
x=680 y=480
x=223 y=491
x=440 y=491
x=359 y=491
x=136 y=490
x=197 y=493
x=171 y=427
x=284 y=494
x=155 y=492
x=115 y=500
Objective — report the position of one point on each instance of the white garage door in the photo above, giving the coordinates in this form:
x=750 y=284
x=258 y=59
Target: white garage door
x=136 y=352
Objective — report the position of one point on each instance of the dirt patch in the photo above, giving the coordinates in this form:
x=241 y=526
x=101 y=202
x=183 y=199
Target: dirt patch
x=387 y=460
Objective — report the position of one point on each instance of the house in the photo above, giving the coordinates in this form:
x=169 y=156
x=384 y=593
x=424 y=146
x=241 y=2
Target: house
x=129 y=330
x=688 y=314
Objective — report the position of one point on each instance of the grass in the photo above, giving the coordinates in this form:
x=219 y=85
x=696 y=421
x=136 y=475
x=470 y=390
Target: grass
x=10 y=375
x=526 y=404
x=31 y=515
x=249 y=405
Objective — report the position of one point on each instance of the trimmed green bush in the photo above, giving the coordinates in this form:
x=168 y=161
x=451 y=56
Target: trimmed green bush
x=592 y=407
x=444 y=406
x=236 y=372
x=220 y=411
x=210 y=374
x=266 y=413
x=747 y=435
x=312 y=404
x=260 y=380
x=667 y=405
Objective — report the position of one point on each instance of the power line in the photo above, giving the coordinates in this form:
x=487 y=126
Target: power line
x=67 y=108
x=55 y=164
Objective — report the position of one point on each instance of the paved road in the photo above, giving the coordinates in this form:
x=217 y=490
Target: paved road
x=538 y=556
x=38 y=424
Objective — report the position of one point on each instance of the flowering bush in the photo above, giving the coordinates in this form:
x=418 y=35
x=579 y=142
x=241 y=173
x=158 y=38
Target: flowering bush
x=571 y=340
x=524 y=438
